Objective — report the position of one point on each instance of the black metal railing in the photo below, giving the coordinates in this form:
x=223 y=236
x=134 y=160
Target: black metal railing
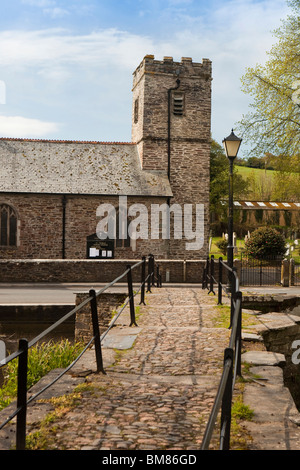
x=295 y=275
x=232 y=354
x=265 y=271
x=21 y=354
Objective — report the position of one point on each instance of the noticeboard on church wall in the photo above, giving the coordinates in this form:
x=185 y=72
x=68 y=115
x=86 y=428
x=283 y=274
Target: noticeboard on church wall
x=99 y=249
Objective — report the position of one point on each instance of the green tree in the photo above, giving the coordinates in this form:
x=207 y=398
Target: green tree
x=219 y=181
x=255 y=162
x=273 y=123
x=261 y=186
x=286 y=178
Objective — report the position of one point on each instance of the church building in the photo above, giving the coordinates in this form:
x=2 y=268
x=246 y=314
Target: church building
x=58 y=198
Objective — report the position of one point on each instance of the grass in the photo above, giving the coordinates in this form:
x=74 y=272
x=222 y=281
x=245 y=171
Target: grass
x=41 y=359
x=240 y=411
x=222 y=320
x=240 y=243
x=239 y=437
x=246 y=172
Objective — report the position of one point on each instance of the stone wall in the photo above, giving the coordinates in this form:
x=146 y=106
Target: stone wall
x=272 y=303
x=40 y=226
x=281 y=334
x=92 y=271
x=107 y=303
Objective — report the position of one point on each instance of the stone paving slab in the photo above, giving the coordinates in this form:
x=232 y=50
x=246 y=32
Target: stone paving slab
x=265 y=358
x=274 y=426
x=121 y=338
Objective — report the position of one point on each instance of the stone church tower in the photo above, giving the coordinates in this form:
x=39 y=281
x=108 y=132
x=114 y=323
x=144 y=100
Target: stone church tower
x=171 y=125
x=51 y=191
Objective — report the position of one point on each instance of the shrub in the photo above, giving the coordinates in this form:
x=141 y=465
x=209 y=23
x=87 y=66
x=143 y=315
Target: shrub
x=222 y=245
x=265 y=242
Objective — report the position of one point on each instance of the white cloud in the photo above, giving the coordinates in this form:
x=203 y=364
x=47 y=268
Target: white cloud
x=236 y=34
x=48 y=7
x=39 y=3
x=2 y=92
x=226 y=37
x=12 y=126
x=60 y=47
x=56 y=12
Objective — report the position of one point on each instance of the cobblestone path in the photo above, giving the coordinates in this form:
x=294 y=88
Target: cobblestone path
x=158 y=394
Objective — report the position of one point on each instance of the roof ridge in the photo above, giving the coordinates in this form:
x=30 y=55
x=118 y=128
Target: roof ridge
x=66 y=141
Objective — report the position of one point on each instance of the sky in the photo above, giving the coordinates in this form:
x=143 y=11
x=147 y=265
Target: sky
x=66 y=66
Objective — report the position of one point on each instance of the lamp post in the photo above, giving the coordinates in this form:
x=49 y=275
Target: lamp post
x=231 y=145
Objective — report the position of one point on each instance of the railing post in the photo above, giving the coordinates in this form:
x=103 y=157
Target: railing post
x=96 y=331
x=22 y=395
x=260 y=272
x=212 y=272
x=220 y=280
x=152 y=270
x=233 y=295
x=131 y=298
x=204 y=276
x=143 y=279
x=292 y=272
x=149 y=274
x=157 y=275
x=238 y=365
x=226 y=404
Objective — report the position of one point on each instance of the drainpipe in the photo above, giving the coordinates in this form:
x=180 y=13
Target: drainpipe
x=169 y=146
x=169 y=125
x=64 y=202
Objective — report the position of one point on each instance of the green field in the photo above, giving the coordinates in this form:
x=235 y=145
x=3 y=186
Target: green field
x=246 y=172
x=269 y=185
x=261 y=183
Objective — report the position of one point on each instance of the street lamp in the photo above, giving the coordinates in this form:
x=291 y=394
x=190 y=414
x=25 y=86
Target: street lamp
x=231 y=145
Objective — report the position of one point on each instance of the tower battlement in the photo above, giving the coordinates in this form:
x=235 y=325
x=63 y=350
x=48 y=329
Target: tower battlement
x=168 y=66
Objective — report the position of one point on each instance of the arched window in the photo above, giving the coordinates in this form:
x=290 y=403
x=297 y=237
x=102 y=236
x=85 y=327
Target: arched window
x=8 y=226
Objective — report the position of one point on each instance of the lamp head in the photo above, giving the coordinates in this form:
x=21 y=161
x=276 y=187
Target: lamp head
x=231 y=145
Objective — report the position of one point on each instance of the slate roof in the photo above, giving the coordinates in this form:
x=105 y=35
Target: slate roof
x=73 y=167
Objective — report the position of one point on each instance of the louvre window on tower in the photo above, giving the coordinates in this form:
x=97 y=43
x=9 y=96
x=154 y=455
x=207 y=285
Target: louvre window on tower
x=136 y=110
x=178 y=104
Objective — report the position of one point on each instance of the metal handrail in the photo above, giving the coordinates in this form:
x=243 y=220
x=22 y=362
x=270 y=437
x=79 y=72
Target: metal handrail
x=24 y=345
x=232 y=354
x=216 y=406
